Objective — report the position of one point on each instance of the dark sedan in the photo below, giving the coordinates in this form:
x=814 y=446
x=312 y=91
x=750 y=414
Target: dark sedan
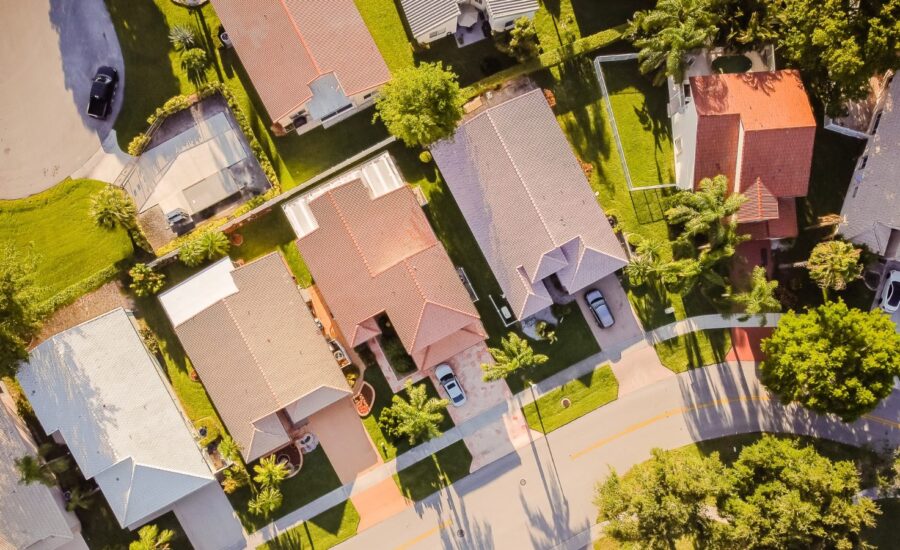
x=103 y=90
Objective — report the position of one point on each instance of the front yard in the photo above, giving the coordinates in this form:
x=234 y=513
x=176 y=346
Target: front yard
x=583 y=395
x=435 y=472
x=695 y=349
x=328 y=529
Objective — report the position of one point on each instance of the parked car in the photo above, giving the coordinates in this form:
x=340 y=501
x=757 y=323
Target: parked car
x=599 y=308
x=103 y=90
x=890 y=295
x=176 y=217
x=450 y=384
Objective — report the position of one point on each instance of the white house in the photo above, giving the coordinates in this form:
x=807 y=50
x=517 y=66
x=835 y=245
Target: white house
x=430 y=20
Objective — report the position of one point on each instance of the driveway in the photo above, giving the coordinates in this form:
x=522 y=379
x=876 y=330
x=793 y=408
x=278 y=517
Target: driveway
x=208 y=520
x=626 y=328
x=49 y=51
x=344 y=439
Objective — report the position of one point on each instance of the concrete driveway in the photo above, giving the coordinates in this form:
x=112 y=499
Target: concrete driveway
x=626 y=328
x=49 y=51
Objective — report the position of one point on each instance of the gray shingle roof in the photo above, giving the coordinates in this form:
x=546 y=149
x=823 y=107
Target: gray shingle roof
x=423 y=15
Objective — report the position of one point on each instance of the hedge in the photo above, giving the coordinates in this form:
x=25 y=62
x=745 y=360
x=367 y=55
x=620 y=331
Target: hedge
x=75 y=291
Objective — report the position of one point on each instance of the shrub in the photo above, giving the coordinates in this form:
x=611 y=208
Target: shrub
x=194 y=61
x=522 y=41
x=150 y=340
x=145 y=281
x=388 y=422
x=182 y=37
x=396 y=355
x=209 y=245
x=139 y=144
x=425 y=157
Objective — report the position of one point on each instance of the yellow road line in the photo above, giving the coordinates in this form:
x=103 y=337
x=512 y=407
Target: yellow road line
x=883 y=421
x=412 y=542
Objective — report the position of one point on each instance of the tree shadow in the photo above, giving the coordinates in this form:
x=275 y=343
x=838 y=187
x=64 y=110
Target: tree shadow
x=593 y=15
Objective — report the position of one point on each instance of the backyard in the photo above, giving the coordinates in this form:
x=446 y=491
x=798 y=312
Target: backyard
x=266 y=234
x=582 y=396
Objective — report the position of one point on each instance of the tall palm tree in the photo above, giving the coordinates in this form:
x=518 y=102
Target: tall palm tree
x=151 y=538
x=78 y=498
x=666 y=33
x=513 y=354
x=645 y=260
x=833 y=265
x=33 y=469
x=760 y=298
x=418 y=417
x=269 y=472
x=706 y=211
x=266 y=501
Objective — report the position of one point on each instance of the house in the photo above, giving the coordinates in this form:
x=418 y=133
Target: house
x=96 y=389
x=756 y=128
x=372 y=253
x=257 y=350
x=527 y=202
x=32 y=517
x=312 y=64
x=871 y=211
x=430 y=20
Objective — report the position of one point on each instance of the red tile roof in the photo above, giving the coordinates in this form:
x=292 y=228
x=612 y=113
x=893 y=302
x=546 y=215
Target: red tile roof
x=782 y=227
x=287 y=44
x=761 y=204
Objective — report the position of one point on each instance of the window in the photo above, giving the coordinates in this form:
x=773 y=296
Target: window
x=509 y=24
x=877 y=122
x=435 y=34
x=687 y=92
x=863 y=161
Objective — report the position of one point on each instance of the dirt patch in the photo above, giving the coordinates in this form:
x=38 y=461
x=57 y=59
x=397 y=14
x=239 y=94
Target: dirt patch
x=104 y=299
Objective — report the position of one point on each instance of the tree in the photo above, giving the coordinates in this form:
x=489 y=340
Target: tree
x=786 y=496
x=195 y=61
x=79 y=499
x=761 y=296
x=270 y=473
x=265 y=502
x=833 y=359
x=645 y=261
x=708 y=211
x=209 y=245
x=151 y=538
x=421 y=105
x=513 y=354
x=522 y=42
x=36 y=469
x=18 y=318
x=419 y=417
x=662 y=500
x=833 y=264
x=668 y=32
x=111 y=208
x=145 y=281
x=182 y=37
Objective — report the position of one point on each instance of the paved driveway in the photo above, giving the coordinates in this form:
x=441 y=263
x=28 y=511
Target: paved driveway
x=49 y=50
x=208 y=520
x=626 y=328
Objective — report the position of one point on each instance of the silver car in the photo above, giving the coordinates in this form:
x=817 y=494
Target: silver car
x=451 y=385
x=599 y=308
x=890 y=296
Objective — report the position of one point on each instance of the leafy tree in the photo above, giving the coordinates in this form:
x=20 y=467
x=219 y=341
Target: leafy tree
x=112 y=208
x=421 y=105
x=145 y=281
x=266 y=501
x=666 y=33
x=419 y=417
x=760 y=298
x=522 y=42
x=229 y=449
x=513 y=354
x=833 y=264
x=662 y=500
x=708 y=211
x=195 y=61
x=209 y=245
x=182 y=37
x=18 y=318
x=786 y=496
x=151 y=538
x=833 y=359
x=270 y=473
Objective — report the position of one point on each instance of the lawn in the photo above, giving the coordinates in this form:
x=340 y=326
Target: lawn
x=316 y=478
x=435 y=472
x=388 y=29
x=328 y=529
x=386 y=446
x=574 y=339
x=471 y=63
x=269 y=233
x=55 y=231
x=101 y=530
x=587 y=393
x=561 y=22
x=695 y=349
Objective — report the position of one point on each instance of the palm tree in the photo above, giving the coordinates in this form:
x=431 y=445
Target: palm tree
x=834 y=264
x=513 y=354
x=151 y=538
x=229 y=449
x=33 y=469
x=267 y=501
x=270 y=473
x=209 y=245
x=666 y=33
x=706 y=211
x=645 y=261
x=78 y=498
x=419 y=417
x=111 y=208
x=760 y=298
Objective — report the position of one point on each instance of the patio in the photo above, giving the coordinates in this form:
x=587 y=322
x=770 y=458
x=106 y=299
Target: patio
x=471 y=27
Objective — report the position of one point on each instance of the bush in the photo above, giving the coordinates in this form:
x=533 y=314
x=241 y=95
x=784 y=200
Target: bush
x=209 y=245
x=521 y=42
x=388 y=422
x=145 y=281
x=151 y=342
x=396 y=355
x=182 y=37
x=425 y=157
x=194 y=60
x=139 y=144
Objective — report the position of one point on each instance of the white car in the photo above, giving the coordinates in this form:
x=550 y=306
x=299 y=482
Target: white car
x=890 y=295
x=450 y=383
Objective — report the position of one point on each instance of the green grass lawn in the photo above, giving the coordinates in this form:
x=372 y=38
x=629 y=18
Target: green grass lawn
x=574 y=339
x=471 y=63
x=101 y=530
x=55 y=230
x=884 y=535
x=696 y=349
x=389 y=30
x=386 y=446
x=328 y=529
x=435 y=472
x=267 y=234
x=316 y=478
x=587 y=393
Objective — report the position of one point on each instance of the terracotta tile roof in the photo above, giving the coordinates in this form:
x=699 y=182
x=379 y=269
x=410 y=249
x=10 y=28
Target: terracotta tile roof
x=372 y=256
x=527 y=202
x=258 y=351
x=781 y=158
x=287 y=44
x=761 y=204
x=782 y=227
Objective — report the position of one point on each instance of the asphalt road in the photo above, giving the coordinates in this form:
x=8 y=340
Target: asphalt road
x=49 y=51
x=541 y=495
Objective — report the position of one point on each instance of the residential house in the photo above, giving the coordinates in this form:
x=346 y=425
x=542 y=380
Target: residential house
x=528 y=203
x=32 y=517
x=430 y=20
x=372 y=253
x=871 y=211
x=255 y=346
x=312 y=64
x=756 y=128
x=96 y=389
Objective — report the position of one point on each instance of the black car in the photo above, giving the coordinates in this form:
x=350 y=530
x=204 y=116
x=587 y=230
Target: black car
x=103 y=90
x=599 y=308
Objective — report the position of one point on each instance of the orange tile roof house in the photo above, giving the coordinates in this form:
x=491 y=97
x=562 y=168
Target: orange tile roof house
x=257 y=350
x=756 y=128
x=312 y=62
x=528 y=203
x=371 y=251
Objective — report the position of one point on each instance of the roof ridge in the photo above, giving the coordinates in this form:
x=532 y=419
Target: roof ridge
x=442 y=306
x=251 y=352
x=302 y=39
x=349 y=230
x=519 y=175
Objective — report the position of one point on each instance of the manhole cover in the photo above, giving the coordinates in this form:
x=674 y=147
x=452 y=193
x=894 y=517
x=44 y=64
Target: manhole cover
x=461 y=533
x=566 y=403
x=522 y=481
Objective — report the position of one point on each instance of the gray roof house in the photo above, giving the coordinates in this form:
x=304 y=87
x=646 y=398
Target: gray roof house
x=257 y=350
x=430 y=20
x=871 y=211
x=528 y=203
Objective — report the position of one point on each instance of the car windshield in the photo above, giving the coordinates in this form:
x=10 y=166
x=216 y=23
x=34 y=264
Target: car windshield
x=457 y=398
x=894 y=294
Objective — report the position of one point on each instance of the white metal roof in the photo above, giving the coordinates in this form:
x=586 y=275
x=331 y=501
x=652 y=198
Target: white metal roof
x=199 y=292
